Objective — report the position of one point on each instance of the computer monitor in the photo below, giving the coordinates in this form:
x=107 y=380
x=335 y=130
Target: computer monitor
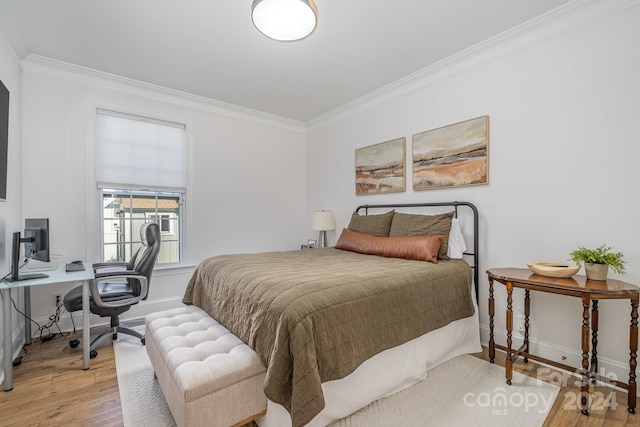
x=36 y=240
x=36 y=235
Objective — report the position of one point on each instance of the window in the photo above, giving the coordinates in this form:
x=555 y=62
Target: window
x=140 y=170
x=125 y=211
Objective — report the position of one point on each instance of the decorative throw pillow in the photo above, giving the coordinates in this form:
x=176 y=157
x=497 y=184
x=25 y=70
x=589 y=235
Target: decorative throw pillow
x=419 y=248
x=378 y=225
x=423 y=225
x=457 y=245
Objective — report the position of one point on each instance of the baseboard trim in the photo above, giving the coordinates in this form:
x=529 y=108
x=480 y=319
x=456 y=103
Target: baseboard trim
x=67 y=322
x=608 y=368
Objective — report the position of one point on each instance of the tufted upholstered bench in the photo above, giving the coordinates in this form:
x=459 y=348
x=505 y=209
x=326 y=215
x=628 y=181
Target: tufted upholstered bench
x=209 y=377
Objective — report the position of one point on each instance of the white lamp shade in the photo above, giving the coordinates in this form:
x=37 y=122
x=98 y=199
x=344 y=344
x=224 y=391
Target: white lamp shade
x=323 y=220
x=284 y=20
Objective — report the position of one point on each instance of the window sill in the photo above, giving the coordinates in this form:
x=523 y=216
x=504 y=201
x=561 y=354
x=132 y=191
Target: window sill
x=173 y=269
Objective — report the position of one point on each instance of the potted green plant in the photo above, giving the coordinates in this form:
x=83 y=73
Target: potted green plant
x=597 y=261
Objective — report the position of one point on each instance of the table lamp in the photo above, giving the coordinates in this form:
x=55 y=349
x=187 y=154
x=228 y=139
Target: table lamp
x=322 y=221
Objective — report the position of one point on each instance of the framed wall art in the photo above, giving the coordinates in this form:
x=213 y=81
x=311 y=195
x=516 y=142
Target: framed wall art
x=380 y=168
x=452 y=156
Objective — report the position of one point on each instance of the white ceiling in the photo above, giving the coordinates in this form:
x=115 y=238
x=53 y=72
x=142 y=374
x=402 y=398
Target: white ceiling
x=210 y=47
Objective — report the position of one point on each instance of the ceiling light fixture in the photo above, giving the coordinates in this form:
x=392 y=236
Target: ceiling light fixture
x=284 y=20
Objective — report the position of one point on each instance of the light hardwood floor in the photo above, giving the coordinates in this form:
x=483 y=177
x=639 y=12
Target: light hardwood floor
x=51 y=389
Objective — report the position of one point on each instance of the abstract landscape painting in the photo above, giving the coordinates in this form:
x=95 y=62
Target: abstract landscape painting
x=452 y=156
x=380 y=168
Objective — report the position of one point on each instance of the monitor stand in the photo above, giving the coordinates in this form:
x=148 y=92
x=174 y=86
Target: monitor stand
x=15 y=257
x=26 y=277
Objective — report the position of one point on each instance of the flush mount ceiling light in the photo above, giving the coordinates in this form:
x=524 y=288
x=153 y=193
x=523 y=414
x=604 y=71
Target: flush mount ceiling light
x=284 y=20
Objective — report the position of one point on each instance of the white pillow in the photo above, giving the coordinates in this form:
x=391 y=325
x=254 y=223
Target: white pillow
x=456 y=240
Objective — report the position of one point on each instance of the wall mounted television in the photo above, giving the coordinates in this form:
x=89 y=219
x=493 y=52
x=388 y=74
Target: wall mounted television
x=4 y=139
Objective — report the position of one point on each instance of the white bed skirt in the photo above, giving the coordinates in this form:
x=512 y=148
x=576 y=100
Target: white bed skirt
x=387 y=372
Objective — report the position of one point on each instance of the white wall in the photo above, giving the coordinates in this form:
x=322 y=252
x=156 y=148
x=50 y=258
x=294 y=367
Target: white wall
x=563 y=114
x=246 y=173
x=11 y=209
x=564 y=147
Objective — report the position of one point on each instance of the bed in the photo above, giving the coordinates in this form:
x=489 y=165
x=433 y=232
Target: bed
x=342 y=326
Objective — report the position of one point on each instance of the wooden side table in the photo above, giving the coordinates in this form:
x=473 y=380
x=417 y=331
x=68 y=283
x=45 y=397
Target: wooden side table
x=590 y=291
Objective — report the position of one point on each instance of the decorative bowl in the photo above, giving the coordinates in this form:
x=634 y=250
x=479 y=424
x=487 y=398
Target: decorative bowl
x=553 y=269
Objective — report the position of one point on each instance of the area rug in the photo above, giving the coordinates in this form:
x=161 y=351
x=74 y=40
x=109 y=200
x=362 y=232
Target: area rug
x=464 y=391
x=143 y=404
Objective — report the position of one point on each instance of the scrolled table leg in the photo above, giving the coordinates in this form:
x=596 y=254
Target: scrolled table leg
x=509 y=361
x=492 y=343
x=633 y=349
x=584 y=389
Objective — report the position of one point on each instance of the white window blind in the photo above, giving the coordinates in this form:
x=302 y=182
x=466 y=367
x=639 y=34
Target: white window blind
x=139 y=152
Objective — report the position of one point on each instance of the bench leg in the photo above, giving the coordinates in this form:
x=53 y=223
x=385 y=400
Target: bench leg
x=250 y=422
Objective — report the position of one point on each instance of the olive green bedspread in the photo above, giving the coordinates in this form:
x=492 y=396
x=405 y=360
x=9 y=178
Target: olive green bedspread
x=315 y=315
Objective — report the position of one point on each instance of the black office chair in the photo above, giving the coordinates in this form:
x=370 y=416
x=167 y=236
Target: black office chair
x=118 y=286
x=115 y=265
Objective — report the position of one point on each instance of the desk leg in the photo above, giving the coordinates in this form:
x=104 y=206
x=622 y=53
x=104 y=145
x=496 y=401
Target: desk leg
x=86 y=333
x=27 y=312
x=509 y=362
x=584 y=388
x=633 y=347
x=8 y=341
x=492 y=343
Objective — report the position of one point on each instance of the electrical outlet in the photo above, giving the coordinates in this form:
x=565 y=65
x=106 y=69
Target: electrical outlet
x=520 y=323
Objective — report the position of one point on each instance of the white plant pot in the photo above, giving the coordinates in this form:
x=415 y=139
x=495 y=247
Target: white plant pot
x=596 y=271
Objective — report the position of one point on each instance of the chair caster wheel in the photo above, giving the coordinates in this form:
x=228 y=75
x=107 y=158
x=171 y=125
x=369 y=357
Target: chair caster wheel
x=526 y=360
x=585 y=412
x=508 y=382
x=631 y=410
x=143 y=341
x=93 y=354
x=74 y=343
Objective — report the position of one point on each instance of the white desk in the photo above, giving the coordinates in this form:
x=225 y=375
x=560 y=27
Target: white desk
x=58 y=275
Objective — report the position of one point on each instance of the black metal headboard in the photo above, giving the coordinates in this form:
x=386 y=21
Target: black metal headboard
x=474 y=210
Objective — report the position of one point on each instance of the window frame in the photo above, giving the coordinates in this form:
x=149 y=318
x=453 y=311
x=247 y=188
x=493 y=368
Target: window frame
x=145 y=193
x=93 y=231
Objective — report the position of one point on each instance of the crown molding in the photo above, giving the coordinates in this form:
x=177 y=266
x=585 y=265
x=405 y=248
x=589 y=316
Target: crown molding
x=41 y=66
x=551 y=24
x=560 y=20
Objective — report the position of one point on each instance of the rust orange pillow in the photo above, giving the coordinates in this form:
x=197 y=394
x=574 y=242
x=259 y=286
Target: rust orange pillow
x=419 y=248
